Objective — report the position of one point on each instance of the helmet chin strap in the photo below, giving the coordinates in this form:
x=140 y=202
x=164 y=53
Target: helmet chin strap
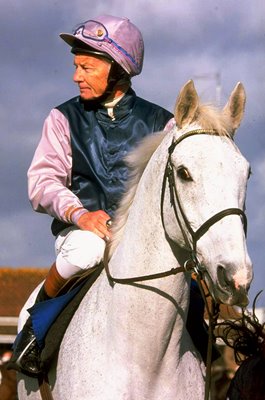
x=116 y=75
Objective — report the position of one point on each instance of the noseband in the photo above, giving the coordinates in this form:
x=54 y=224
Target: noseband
x=192 y=264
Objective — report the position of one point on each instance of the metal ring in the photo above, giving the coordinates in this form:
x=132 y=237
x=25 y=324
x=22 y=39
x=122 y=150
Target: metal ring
x=109 y=223
x=189 y=265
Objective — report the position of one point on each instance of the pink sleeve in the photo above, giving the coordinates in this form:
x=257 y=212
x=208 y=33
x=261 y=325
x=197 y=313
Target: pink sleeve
x=49 y=175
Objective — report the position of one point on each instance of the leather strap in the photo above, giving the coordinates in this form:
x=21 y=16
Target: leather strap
x=45 y=390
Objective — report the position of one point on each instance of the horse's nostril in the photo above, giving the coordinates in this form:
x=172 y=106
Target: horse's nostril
x=223 y=278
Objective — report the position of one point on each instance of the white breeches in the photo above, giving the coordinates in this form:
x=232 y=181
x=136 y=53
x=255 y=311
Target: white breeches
x=77 y=250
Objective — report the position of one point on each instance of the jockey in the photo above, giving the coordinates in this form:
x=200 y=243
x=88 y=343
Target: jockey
x=78 y=172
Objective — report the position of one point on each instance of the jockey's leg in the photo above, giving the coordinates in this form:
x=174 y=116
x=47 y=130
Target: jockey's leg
x=76 y=251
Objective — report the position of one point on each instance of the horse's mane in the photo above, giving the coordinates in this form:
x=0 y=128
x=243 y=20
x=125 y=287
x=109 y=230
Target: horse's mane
x=207 y=117
x=137 y=161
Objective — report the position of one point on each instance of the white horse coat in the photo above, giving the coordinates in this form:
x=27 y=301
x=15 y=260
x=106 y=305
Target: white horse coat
x=129 y=342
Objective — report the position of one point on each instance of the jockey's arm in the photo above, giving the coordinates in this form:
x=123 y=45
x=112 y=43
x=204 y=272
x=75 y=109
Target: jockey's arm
x=49 y=175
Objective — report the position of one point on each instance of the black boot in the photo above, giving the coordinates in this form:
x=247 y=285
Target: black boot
x=26 y=352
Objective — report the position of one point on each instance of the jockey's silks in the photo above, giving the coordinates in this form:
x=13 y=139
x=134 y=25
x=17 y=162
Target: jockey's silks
x=99 y=145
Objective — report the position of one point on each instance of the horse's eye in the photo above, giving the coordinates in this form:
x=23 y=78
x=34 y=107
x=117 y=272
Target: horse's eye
x=184 y=174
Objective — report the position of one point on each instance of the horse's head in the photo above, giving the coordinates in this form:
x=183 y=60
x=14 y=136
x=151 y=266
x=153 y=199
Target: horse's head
x=208 y=187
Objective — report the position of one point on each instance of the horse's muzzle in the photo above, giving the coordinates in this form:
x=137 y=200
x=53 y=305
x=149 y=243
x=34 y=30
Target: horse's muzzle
x=229 y=291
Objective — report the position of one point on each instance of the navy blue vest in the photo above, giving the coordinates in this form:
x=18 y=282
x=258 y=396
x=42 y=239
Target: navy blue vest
x=99 y=146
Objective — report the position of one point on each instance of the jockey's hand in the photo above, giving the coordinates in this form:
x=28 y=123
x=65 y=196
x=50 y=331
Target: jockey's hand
x=96 y=222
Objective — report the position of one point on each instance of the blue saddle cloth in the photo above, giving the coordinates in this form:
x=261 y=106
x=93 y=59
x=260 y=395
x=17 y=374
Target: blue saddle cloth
x=44 y=314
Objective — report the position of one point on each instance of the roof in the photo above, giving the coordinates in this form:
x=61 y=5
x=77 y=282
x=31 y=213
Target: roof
x=15 y=287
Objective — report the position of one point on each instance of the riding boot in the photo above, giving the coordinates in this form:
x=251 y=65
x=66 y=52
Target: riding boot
x=26 y=352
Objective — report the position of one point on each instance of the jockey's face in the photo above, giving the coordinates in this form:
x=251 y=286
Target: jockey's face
x=91 y=75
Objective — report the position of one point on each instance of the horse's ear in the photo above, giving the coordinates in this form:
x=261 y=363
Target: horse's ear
x=235 y=106
x=186 y=105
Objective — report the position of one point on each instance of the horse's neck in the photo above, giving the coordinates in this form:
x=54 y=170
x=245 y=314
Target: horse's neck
x=143 y=248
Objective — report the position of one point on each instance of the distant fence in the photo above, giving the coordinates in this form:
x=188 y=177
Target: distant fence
x=8 y=328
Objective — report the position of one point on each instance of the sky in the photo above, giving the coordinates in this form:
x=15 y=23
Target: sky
x=215 y=43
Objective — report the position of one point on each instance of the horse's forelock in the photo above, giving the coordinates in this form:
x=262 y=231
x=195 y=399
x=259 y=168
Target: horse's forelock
x=212 y=118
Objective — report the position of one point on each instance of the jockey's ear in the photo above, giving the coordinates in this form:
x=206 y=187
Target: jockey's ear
x=186 y=105
x=235 y=106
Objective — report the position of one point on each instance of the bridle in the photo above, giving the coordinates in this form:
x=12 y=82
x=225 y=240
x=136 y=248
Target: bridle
x=192 y=264
x=176 y=203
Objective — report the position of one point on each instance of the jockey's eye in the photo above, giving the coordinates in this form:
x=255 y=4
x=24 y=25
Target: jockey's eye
x=184 y=174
